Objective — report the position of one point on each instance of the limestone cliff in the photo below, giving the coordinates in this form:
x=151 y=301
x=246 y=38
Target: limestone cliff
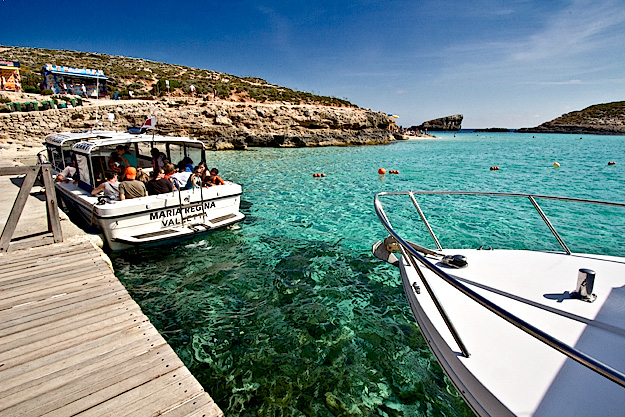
x=604 y=119
x=222 y=125
x=443 y=124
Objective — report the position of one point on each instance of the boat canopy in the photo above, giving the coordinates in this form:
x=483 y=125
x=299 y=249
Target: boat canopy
x=92 y=150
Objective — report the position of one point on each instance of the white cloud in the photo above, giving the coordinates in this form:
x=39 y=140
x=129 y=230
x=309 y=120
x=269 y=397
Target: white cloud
x=576 y=41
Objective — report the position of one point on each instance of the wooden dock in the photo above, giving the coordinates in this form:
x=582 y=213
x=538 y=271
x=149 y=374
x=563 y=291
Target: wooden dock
x=73 y=342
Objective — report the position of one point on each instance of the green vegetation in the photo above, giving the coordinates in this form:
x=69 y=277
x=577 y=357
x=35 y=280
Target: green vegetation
x=590 y=115
x=146 y=79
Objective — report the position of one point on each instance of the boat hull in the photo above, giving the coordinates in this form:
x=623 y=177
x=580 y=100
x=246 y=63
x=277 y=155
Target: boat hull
x=509 y=372
x=155 y=219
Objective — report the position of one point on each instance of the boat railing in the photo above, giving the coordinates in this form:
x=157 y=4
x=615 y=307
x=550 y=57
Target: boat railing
x=413 y=255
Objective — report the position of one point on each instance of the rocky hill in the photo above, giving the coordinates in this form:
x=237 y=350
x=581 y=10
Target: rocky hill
x=146 y=79
x=246 y=111
x=449 y=123
x=604 y=119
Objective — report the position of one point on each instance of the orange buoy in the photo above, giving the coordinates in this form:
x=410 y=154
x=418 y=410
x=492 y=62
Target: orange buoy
x=323 y=175
x=611 y=163
x=381 y=171
x=315 y=175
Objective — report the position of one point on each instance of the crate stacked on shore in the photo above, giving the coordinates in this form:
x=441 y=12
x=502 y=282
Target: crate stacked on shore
x=40 y=105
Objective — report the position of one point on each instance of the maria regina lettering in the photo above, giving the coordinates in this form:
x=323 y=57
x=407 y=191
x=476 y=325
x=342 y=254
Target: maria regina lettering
x=164 y=214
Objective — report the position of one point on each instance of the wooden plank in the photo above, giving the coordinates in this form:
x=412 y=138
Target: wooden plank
x=54 y=224
x=20 y=170
x=182 y=387
x=16 y=211
x=76 y=343
x=68 y=327
x=114 y=385
x=73 y=307
x=37 y=308
x=31 y=380
x=47 y=278
x=200 y=406
x=24 y=353
x=60 y=263
x=127 y=400
x=27 y=257
x=58 y=318
x=42 y=262
x=86 y=392
x=102 y=280
x=50 y=361
x=30 y=243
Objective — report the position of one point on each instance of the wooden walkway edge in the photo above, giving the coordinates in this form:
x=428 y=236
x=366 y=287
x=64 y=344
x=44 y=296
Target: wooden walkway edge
x=73 y=342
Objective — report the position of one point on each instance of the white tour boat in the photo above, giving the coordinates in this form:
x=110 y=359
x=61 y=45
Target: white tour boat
x=518 y=332
x=146 y=220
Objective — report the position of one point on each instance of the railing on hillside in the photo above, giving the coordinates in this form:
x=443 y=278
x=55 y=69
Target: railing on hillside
x=54 y=225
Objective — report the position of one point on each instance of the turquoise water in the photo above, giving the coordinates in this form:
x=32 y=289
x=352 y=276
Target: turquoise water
x=289 y=314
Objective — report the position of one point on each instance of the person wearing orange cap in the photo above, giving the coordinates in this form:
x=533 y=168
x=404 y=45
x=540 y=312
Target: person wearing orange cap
x=131 y=188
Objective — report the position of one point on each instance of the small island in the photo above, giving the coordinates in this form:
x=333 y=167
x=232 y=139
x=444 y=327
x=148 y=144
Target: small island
x=493 y=130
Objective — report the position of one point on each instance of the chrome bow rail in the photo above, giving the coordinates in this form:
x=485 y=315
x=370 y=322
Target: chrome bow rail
x=408 y=249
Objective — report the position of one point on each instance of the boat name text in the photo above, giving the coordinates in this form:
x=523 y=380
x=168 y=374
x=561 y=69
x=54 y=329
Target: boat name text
x=163 y=214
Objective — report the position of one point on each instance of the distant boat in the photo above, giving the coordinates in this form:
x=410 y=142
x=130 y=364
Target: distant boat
x=518 y=332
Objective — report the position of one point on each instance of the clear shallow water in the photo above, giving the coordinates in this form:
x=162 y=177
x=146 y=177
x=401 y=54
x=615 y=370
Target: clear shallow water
x=290 y=314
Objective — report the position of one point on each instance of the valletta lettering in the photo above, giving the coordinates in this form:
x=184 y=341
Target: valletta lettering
x=165 y=215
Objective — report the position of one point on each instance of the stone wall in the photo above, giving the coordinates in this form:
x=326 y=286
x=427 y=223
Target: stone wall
x=222 y=125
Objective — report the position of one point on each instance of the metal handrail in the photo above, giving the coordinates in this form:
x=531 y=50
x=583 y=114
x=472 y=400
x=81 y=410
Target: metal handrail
x=575 y=354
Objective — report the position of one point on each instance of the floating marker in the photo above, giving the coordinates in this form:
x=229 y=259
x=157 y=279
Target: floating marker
x=556 y=164
x=381 y=171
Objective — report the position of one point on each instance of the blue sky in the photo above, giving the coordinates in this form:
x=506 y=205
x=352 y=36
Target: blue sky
x=514 y=63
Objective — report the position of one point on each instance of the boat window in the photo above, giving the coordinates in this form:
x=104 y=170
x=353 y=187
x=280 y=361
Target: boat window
x=176 y=153
x=144 y=157
x=195 y=154
x=82 y=163
x=55 y=157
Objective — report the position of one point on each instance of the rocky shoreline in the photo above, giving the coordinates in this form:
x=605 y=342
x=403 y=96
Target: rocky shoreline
x=221 y=125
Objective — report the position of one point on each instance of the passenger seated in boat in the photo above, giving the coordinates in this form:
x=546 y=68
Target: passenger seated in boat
x=128 y=159
x=142 y=176
x=189 y=163
x=68 y=173
x=110 y=187
x=213 y=179
x=158 y=159
x=159 y=184
x=131 y=188
x=195 y=180
x=181 y=178
x=169 y=169
x=115 y=163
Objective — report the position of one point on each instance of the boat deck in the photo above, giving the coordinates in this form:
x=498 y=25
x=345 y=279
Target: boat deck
x=73 y=342
x=524 y=374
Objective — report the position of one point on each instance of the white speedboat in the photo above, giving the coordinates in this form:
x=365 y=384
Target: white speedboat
x=518 y=332
x=146 y=220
